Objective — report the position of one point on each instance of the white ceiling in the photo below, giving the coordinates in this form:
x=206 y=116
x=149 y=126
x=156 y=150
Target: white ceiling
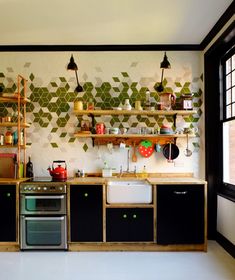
x=94 y=22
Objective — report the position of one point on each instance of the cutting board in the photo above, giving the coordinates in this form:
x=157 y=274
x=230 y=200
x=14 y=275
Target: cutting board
x=7 y=165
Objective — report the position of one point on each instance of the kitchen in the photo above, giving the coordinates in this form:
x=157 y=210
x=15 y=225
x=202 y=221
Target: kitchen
x=109 y=77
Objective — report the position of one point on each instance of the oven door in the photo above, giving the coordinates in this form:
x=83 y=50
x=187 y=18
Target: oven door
x=43 y=233
x=42 y=204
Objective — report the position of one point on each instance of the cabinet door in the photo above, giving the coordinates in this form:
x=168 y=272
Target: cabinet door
x=86 y=213
x=8 y=213
x=129 y=225
x=180 y=214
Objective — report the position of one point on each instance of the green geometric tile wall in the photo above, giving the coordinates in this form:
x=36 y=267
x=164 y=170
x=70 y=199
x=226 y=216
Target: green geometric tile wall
x=53 y=104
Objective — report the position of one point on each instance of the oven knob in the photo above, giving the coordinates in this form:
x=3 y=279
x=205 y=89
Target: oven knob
x=61 y=188
x=34 y=188
x=29 y=188
x=25 y=188
x=44 y=188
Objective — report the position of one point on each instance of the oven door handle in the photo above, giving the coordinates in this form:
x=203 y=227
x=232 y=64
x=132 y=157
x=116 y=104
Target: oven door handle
x=44 y=218
x=44 y=197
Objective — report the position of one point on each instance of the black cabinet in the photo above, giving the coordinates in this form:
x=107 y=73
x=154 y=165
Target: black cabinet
x=86 y=213
x=129 y=224
x=180 y=214
x=8 y=213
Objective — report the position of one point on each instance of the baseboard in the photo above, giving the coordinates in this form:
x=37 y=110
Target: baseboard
x=226 y=244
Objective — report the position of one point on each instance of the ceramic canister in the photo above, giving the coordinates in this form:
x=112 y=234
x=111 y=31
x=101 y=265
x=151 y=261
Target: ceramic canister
x=78 y=105
x=100 y=128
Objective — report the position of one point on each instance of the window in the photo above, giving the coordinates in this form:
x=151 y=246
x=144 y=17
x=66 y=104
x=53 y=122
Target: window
x=229 y=120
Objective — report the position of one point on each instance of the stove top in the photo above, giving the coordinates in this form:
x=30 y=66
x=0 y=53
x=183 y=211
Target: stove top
x=45 y=179
x=43 y=185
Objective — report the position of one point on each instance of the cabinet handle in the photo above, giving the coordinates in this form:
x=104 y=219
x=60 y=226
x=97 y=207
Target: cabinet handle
x=86 y=194
x=180 y=193
x=124 y=216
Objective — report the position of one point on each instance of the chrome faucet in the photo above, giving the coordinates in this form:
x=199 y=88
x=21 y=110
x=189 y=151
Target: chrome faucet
x=128 y=160
x=128 y=165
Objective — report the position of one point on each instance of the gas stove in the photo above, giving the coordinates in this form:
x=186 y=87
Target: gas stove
x=43 y=185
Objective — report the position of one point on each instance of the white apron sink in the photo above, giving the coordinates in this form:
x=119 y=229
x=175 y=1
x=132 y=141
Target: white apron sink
x=129 y=191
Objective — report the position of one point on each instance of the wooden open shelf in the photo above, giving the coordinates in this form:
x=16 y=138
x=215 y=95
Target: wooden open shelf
x=134 y=112
x=13 y=99
x=130 y=139
x=14 y=124
x=12 y=146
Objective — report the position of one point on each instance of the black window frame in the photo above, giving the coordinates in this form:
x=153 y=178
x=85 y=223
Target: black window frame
x=213 y=128
x=227 y=188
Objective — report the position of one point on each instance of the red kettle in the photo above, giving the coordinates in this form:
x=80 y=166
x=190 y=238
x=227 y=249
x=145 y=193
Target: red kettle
x=58 y=173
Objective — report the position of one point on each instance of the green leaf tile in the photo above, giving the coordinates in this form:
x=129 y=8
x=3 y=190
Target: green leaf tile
x=54 y=84
x=54 y=145
x=72 y=140
x=116 y=79
x=54 y=130
x=85 y=147
x=125 y=74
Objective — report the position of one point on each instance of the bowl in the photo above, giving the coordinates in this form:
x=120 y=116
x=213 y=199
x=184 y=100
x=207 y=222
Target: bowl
x=114 y=130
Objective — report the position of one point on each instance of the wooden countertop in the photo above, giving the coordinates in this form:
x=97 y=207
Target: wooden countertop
x=88 y=181
x=154 y=179
x=12 y=181
x=175 y=181
x=161 y=179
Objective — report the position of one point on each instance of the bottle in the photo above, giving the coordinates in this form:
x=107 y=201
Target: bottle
x=147 y=102
x=8 y=137
x=29 y=168
x=1 y=139
x=127 y=105
x=90 y=104
x=144 y=173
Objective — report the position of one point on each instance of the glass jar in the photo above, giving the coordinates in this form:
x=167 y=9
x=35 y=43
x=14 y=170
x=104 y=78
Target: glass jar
x=8 y=137
x=90 y=104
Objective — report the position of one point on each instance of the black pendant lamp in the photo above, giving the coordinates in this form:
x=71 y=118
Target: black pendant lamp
x=165 y=64
x=73 y=66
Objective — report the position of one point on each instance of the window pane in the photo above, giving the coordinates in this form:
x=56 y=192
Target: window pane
x=233 y=78
x=233 y=62
x=228 y=66
x=229 y=152
x=228 y=97
x=233 y=110
x=228 y=81
x=228 y=111
x=233 y=92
